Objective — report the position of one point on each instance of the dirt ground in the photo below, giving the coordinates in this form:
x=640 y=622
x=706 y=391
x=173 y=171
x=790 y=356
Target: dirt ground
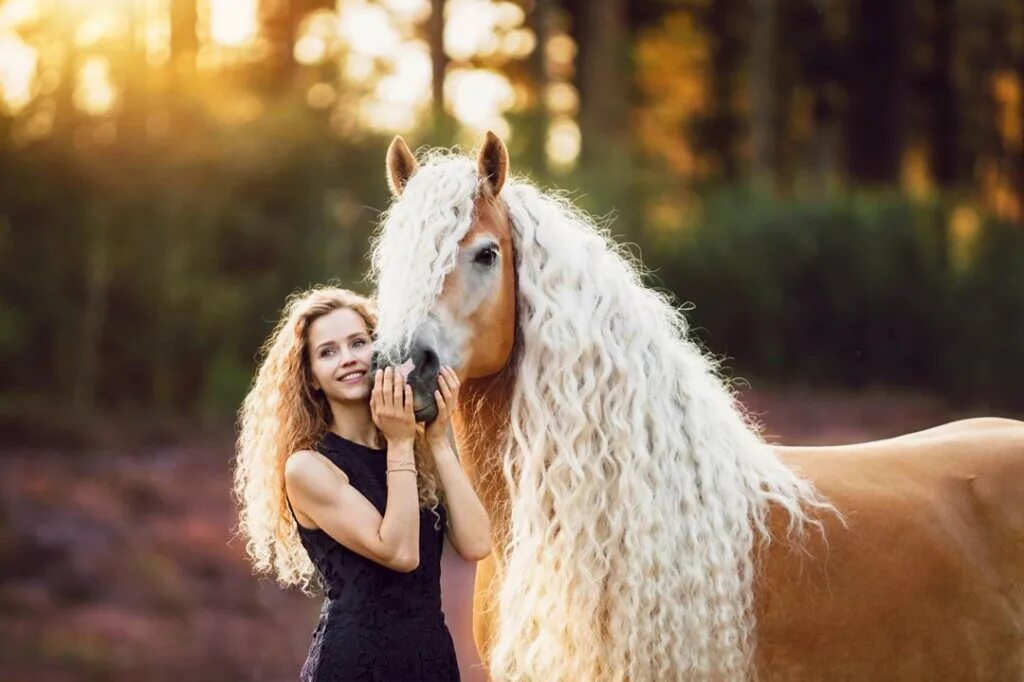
x=120 y=563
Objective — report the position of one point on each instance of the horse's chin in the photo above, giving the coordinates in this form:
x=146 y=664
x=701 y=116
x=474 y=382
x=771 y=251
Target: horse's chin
x=427 y=413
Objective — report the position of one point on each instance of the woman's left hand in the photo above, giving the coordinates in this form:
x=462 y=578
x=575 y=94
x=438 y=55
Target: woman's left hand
x=447 y=397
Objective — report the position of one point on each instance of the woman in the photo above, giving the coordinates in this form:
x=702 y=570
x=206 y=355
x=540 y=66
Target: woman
x=334 y=478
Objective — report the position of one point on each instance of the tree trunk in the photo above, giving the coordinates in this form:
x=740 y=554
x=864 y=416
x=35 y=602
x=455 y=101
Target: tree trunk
x=184 y=43
x=944 y=135
x=443 y=125
x=878 y=74
x=279 y=26
x=94 y=315
x=762 y=94
x=537 y=132
x=603 y=81
x=719 y=130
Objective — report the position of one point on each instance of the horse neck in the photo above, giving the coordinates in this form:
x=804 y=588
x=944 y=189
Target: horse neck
x=480 y=425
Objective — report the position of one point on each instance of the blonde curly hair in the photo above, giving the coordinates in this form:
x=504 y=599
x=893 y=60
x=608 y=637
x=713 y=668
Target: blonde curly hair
x=283 y=414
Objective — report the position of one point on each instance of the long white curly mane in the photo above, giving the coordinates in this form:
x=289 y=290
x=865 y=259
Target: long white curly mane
x=637 y=485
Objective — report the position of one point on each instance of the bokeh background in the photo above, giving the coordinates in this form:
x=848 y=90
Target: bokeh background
x=833 y=188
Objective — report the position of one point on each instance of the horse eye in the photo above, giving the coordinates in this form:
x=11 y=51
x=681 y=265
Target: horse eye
x=486 y=256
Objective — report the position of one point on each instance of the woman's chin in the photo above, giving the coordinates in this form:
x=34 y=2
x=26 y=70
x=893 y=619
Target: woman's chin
x=351 y=394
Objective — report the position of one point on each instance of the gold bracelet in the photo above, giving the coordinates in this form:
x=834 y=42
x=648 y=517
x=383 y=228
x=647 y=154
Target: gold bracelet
x=401 y=462
x=395 y=469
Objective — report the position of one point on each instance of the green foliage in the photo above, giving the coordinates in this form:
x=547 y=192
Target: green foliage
x=853 y=291
x=148 y=273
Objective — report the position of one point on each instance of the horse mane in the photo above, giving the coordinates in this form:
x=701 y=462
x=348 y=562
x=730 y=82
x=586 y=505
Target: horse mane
x=637 y=487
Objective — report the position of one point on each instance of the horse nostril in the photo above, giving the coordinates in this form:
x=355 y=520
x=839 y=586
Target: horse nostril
x=427 y=364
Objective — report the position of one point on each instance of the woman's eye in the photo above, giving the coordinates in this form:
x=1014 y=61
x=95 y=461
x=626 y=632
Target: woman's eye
x=486 y=257
x=326 y=352
x=358 y=342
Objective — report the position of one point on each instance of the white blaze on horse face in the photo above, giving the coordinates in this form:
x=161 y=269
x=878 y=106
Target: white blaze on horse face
x=441 y=334
x=470 y=292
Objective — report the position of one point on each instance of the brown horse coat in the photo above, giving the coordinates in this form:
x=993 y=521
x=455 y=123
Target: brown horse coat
x=923 y=579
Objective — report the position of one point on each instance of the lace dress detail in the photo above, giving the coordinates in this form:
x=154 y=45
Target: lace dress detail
x=377 y=624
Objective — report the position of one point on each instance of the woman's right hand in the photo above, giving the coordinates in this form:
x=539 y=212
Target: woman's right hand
x=391 y=405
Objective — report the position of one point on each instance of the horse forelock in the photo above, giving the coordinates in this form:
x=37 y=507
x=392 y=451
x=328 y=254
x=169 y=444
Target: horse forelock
x=416 y=247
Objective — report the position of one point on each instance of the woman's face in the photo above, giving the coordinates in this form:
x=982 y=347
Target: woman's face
x=339 y=355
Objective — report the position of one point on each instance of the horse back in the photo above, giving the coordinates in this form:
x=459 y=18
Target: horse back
x=921 y=578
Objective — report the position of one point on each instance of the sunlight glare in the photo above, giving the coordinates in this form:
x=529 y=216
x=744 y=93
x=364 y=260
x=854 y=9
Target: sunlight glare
x=358 y=68
x=519 y=43
x=560 y=52
x=95 y=93
x=17 y=73
x=321 y=95
x=233 y=23
x=412 y=66
x=321 y=23
x=158 y=32
x=310 y=50
x=101 y=25
x=386 y=117
x=14 y=13
x=563 y=143
x=508 y=15
x=479 y=98
x=367 y=29
x=469 y=28
x=413 y=11
x=562 y=98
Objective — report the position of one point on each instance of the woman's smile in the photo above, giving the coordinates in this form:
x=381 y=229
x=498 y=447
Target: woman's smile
x=353 y=377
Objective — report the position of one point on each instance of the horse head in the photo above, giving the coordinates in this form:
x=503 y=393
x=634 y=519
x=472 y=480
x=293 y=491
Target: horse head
x=470 y=325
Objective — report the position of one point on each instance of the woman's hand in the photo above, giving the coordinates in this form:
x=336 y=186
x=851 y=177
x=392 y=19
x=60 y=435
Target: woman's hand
x=447 y=397
x=391 y=405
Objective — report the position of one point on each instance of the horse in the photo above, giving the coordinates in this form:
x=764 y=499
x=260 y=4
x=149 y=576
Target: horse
x=643 y=528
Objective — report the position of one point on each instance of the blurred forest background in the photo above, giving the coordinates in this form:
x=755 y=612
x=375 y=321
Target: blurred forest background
x=835 y=185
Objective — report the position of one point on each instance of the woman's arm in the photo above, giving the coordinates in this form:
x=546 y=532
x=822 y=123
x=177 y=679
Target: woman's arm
x=321 y=491
x=469 y=529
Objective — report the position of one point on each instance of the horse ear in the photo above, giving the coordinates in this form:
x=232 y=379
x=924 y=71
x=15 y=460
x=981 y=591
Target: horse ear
x=492 y=162
x=401 y=165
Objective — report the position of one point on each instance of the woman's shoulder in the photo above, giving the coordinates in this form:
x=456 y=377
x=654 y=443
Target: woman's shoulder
x=310 y=471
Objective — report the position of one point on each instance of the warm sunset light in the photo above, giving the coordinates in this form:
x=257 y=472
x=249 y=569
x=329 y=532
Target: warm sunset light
x=472 y=26
x=17 y=72
x=381 y=56
x=95 y=93
x=739 y=226
x=104 y=23
x=367 y=28
x=479 y=97
x=18 y=12
x=563 y=143
x=233 y=22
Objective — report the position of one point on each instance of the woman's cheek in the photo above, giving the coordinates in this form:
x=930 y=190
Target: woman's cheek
x=322 y=372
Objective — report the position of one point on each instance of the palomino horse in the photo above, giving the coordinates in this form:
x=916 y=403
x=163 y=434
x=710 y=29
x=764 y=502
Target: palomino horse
x=643 y=530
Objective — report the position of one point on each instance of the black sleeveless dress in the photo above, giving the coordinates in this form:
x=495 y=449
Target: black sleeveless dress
x=377 y=624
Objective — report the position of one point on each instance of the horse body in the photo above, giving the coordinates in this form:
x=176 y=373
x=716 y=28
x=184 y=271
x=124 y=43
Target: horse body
x=926 y=578
x=642 y=529
x=922 y=578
